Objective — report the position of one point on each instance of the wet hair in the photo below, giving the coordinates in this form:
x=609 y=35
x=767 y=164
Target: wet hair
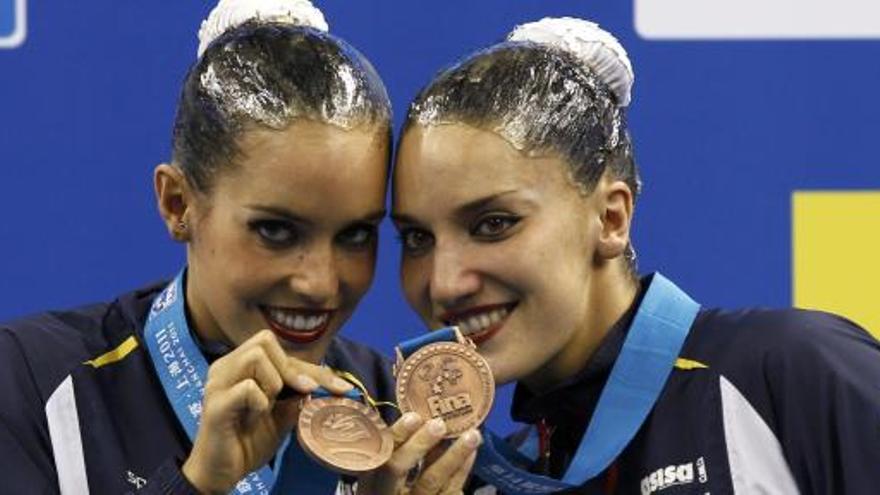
x=266 y=75
x=539 y=98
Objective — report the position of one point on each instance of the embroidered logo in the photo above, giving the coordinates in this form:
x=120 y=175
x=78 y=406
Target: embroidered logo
x=674 y=475
x=135 y=480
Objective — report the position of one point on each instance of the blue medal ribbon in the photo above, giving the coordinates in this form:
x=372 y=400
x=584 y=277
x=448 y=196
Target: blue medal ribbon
x=182 y=370
x=649 y=351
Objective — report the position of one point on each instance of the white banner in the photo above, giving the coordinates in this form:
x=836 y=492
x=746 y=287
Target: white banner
x=757 y=19
x=13 y=16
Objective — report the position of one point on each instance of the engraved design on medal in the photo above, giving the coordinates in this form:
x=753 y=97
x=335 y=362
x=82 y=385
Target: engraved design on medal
x=344 y=428
x=344 y=435
x=447 y=380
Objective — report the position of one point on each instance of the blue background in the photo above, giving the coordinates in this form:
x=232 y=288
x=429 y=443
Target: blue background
x=7 y=18
x=724 y=132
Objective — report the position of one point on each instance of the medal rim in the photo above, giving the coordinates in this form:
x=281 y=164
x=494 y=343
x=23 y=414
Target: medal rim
x=470 y=354
x=313 y=447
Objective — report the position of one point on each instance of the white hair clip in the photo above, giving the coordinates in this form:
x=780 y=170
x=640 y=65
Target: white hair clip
x=591 y=44
x=229 y=14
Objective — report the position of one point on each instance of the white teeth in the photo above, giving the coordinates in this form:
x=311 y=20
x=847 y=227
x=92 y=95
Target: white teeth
x=296 y=321
x=482 y=321
x=495 y=316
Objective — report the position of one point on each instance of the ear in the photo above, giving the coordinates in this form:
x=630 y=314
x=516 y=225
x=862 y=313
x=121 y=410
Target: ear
x=173 y=198
x=616 y=213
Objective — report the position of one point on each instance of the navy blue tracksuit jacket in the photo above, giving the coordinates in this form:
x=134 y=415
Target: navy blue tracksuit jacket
x=760 y=402
x=82 y=405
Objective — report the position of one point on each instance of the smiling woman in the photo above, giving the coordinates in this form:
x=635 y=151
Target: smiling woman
x=276 y=187
x=514 y=195
x=291 y=263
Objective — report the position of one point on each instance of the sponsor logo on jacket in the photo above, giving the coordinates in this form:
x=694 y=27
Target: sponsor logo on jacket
x=674 y=475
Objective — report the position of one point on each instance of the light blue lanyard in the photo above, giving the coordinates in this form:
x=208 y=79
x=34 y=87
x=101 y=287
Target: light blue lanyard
x=649 y=351
x=182 y=370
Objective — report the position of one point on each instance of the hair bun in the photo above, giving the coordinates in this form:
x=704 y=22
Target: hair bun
x=591 y=44
x=229 y=14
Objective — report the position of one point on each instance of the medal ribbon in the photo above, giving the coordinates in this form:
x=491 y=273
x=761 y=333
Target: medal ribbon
x=652 y=345
x=349 y=377
x=649 y=351
x=182 y=370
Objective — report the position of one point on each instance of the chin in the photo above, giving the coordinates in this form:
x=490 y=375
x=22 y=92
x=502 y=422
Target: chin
x=503 y=370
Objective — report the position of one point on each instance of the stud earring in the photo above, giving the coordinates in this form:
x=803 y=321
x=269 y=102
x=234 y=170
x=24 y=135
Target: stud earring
x=180 y=231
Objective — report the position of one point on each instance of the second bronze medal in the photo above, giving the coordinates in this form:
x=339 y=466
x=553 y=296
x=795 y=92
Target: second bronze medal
x=448 y=380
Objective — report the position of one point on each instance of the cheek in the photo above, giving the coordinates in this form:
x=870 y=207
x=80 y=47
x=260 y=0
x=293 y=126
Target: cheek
x=356 y=272
x=413 y=279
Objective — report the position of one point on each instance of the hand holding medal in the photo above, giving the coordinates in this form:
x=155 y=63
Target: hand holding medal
x=445 y=390
x=242 y=418
x=441 y=375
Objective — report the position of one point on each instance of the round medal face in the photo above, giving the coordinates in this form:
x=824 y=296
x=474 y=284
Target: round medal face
x=447 y=380
x=344 y=435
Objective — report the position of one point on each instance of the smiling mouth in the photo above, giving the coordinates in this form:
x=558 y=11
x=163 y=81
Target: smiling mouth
x=480 y=323
x=300 y=326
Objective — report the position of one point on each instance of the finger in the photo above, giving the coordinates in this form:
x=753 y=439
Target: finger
x=403 y=428
x=243 y=401
x=300 y=375
x=250 y=362
x=407 y=455
x=458 y=480
x=436 y=477
x=286 y=365
x=326 y=378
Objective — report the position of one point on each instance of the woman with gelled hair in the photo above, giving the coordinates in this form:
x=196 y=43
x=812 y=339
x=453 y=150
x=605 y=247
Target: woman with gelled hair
x=514 y=195
x=177 y=387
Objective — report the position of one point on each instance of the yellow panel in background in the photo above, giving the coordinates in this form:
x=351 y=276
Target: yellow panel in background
x=836 y=244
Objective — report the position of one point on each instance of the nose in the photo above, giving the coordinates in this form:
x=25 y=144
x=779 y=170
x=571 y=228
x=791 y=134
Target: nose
x=315 y=279
x=453 y=280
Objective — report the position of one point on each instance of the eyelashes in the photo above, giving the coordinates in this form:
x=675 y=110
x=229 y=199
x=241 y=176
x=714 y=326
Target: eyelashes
x=358 y=236
x=275 y=233
x=494 y=226
x=491 y=227
x=280 y=234
x=415 y=241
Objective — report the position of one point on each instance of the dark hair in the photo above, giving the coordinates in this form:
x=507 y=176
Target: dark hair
x=269 y=74
x=539 y=98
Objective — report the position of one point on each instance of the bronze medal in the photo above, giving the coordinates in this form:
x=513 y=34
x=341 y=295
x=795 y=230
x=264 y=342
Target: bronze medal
x=344 y=435
x=448 y=380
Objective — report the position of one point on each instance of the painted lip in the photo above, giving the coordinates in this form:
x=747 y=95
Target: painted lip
x=453 y=317
x=298 y=336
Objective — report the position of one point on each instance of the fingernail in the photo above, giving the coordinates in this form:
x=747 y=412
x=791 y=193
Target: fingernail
x=472 y=439
x=411 y=420
x=306 y=383
x=341 y=384
x=437 y=427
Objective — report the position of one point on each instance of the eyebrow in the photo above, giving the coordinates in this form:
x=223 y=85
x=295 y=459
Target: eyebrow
x=460 y=211
x=287 y=214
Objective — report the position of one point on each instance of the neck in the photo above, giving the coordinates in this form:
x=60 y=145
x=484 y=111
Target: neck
x=197 y=315
x=609 y=295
